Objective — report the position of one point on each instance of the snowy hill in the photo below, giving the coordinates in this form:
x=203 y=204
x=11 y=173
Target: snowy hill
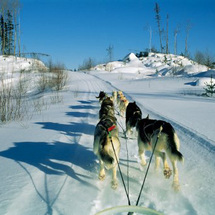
x=11 y=64
x=154 y=65
x=47 y=161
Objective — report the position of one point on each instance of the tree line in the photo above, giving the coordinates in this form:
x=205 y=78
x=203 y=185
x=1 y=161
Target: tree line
x=200 y=57
x=9 y=27
x=163 y=34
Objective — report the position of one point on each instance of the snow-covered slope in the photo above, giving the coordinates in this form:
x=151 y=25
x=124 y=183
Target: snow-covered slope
x=155 y=64
x=14 y=64
x=47 y=161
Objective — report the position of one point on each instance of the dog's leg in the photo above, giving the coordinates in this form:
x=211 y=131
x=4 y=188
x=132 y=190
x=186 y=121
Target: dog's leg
x=157 y=163
x=114 y=183
x=142 y=156
x=141 y=152
x=102 y=171
x=129 y=131
x=175 y=184
x=166 y=169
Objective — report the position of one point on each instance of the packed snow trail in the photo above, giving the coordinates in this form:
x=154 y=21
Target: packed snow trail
x=49 y=166
x=195 y=174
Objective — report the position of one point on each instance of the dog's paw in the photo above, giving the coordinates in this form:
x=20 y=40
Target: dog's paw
x=176 y=186
x=143 y=163
x=114 y=184
x=167 y=172
x=102 y=177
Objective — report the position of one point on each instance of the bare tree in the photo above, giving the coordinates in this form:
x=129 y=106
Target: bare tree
x=209 y=59
x=149 y=29
x=167 y=29
x=199 y=57
x=187 y=30
x=87 y=64
x=110 y=53
x=157 y=16
x=16 y=12
x=176 y=31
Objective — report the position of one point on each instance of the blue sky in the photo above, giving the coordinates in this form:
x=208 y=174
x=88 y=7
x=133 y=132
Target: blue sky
x=71 y=31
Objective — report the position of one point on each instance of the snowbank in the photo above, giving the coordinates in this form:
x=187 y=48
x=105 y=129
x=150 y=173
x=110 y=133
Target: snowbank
x=11 y=64
x=158 y=64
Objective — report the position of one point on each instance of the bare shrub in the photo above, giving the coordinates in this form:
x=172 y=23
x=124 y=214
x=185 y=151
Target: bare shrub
x=87 y=64
x=12 y=103
x=55 y=78
x=59 y=76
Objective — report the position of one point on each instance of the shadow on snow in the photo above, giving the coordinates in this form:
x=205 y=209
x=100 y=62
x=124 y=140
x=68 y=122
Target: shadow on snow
x=49 y=158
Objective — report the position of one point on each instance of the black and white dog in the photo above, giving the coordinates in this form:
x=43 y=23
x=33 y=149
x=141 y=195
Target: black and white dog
x=167 y=145
x=106 y=141
x=102 y=95
x=133 y=114
x=107 y=107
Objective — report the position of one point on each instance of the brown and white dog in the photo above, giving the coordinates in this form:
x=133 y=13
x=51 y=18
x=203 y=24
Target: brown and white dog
x=167 y=145
x=106 y=141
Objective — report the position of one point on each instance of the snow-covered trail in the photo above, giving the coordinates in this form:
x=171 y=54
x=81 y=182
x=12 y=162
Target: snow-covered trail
x=49 y=166
x=197 y=173
x=50 y=158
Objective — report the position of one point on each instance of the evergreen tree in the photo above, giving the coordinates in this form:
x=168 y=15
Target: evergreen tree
x=5 y=51
x=210 y=87
x=2 y=35
x=10 y=33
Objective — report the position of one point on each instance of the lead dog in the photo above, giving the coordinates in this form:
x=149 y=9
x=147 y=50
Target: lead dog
x=167 y=145
x=102 y=95
x=133 y=114
x=103 y=148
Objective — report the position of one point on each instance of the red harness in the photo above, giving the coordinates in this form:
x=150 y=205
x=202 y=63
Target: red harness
x=111 y=128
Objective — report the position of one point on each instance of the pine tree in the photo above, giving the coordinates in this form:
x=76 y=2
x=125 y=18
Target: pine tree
x=5 y=38
x=10 y=32
x=2 y=27
x=210 y=87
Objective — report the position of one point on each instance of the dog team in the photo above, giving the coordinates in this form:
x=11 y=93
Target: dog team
x=107 y=144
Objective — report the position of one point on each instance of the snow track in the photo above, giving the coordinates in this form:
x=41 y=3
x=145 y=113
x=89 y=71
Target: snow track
x=199 y=152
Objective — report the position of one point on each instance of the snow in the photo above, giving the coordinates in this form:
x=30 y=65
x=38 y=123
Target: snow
x=47 y=161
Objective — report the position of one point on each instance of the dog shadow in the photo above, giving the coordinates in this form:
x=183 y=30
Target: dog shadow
x=81 y=115
x=85 y=105
x=88 y=102
x=51 y=158
x=72 y=129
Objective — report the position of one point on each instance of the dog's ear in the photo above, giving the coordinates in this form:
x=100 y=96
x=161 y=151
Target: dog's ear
x=147 y=116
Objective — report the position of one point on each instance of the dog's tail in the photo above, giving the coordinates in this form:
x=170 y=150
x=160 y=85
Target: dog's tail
x=175 y=145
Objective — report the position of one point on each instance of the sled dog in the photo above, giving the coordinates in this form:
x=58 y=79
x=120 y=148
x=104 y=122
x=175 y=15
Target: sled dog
x=102 y=95
x=167 y=145
x=103 y=148
x=123 y=105
x=107 y=108
x=133 y=114
x=114 y=95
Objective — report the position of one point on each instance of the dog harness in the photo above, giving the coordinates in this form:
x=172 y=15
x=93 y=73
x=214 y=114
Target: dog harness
x=111 y=128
